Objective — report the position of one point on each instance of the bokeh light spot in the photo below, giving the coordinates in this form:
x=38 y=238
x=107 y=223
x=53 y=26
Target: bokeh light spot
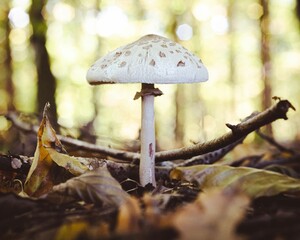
x=201 y=12
x=63 y=12
x=18 y=17
x=184 y=32
x=112 y=21
x=255 y=11
x=219 y=24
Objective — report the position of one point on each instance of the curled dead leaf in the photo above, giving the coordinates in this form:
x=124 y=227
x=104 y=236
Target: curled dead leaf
x=49 y=154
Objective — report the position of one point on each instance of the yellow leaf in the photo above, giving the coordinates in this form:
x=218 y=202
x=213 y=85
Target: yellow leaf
x=38 y=175
x=70 y=163
x=74 y=229
x=71 y=231
x=49 y=154
x=254 y=182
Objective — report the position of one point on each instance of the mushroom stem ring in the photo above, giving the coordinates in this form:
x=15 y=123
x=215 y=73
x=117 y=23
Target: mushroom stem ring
x=148 y=91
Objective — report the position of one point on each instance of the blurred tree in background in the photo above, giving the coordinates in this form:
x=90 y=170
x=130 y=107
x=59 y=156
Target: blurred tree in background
x=251 y=49
x=6 y=61
x=266 y=57
x=46 y=84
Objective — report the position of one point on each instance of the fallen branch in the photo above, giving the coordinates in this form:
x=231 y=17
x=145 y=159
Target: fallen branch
x=78 y=144
x=211 y=157
x=275 y=112
x=19 y=165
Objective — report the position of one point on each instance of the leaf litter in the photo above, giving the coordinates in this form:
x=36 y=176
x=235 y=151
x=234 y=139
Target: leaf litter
x=67 y=199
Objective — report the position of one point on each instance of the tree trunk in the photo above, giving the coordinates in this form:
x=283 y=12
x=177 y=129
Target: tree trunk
x=232 y=69
x=179 y=94
x=298 y=9
x=180 y=115
x=266 y=59
x=6 y=73
x=46 y=80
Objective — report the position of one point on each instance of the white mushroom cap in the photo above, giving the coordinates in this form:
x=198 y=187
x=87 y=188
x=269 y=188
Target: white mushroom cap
x=151 y=59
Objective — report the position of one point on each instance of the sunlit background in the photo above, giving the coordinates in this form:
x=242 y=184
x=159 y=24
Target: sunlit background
x=224 y=34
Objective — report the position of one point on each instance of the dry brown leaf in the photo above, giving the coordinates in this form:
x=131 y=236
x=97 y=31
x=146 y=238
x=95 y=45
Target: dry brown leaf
x=48 y=154
x=214 y=215
x=130 y=217
x=39 y=177
x=96 y=186
x=133 y=219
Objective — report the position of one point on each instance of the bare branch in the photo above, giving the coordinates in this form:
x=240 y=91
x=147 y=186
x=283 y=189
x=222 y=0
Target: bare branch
x=78 y=144
x=275 y=112
x=120 y=170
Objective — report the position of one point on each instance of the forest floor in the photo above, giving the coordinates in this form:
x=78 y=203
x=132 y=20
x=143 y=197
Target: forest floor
x=241 y=191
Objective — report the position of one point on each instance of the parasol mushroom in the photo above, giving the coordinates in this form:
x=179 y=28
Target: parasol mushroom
x=150 y=60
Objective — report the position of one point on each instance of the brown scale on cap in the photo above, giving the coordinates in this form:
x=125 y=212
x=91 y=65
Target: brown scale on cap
x=152 y=63
x=161 y=54
x=122 y=64
x=181 y=64
x=147 y=47
x=127 y=53
x=118 y=54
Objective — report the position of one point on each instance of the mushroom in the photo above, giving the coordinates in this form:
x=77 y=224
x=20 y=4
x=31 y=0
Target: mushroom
x=150 y=60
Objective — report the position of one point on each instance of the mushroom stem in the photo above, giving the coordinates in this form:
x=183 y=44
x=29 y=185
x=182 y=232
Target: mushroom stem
x=147 y=161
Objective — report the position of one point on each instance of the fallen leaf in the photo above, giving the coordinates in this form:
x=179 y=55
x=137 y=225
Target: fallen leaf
x=49 y=154
x=96 y=186
x=72 y=230
x=72 y=164
x=214 y=215
x=144 y=216
x=76 y=228
x=254 y=182
x=130 y=217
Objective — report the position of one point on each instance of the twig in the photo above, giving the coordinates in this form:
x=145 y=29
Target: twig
x=252 y=159
x=119 y=170
x=279 y=161
x=273 y=142
x=78 y=144
x=211 y=157
x=277 y=111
